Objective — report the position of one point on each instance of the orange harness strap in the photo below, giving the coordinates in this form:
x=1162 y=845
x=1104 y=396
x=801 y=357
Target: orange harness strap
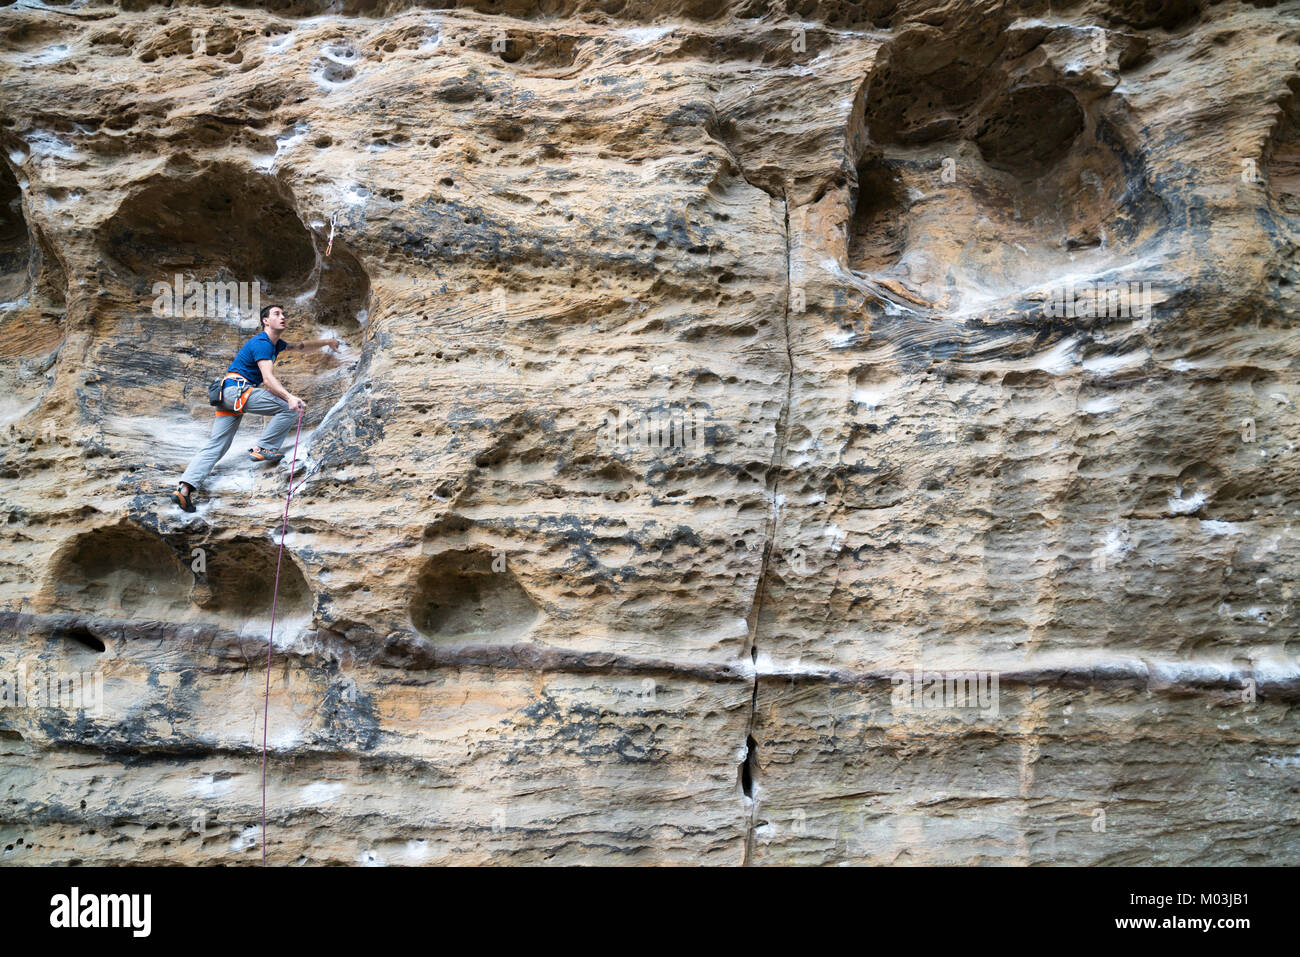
x=239 y=403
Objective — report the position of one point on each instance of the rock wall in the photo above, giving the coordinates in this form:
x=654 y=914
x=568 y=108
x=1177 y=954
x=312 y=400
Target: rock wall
x=765 y=432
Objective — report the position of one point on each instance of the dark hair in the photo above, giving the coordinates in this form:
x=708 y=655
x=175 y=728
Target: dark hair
x=266 y=311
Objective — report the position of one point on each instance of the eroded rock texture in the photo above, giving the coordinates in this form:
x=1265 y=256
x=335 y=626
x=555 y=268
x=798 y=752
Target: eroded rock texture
x=835 y=235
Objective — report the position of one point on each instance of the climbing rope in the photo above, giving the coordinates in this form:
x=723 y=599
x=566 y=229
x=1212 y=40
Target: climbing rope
x=270 y=641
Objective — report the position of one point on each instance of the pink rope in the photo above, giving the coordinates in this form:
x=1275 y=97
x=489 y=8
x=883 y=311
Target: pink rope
x=270 y=642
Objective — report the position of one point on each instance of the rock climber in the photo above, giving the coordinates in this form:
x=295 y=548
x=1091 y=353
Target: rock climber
x=250 y=385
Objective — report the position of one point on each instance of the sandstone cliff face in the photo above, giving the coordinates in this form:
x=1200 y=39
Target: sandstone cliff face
x=707 y=367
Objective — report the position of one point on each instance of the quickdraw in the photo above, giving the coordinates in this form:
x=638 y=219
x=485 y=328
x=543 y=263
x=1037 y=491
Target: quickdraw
x=329 y=247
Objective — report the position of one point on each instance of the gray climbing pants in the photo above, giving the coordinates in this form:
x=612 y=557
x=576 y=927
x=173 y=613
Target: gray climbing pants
x=224 y=428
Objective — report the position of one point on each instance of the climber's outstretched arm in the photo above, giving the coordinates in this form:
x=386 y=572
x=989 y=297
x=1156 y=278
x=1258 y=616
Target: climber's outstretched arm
x=313 y=344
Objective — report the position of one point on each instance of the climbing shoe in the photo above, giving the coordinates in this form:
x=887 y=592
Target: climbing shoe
x=186 y=502
x=259 y=454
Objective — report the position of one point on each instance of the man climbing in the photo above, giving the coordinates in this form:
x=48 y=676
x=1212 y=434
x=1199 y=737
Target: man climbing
x=250 y=386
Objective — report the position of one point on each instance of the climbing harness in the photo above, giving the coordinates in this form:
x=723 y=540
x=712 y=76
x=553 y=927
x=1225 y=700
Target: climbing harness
x=217 y=389
x=270 y=641
x=243 y=396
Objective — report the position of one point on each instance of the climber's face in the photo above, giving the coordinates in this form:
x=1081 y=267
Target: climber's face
x=275 y=319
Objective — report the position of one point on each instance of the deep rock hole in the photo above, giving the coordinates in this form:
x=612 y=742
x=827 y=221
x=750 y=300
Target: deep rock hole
x=228 y=223
x=240 y=581
x=1283 y=162
x=235 y=225
x=877 y=231
x=85 y=637
x=127 y=571
x=459 y=597
x=222 y=217
x=120 y=571
x=15 y=240
x=748 y=766
x=1029 y=130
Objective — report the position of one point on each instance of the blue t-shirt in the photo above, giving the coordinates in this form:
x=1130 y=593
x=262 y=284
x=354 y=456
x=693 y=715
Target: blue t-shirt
x=257 y=348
